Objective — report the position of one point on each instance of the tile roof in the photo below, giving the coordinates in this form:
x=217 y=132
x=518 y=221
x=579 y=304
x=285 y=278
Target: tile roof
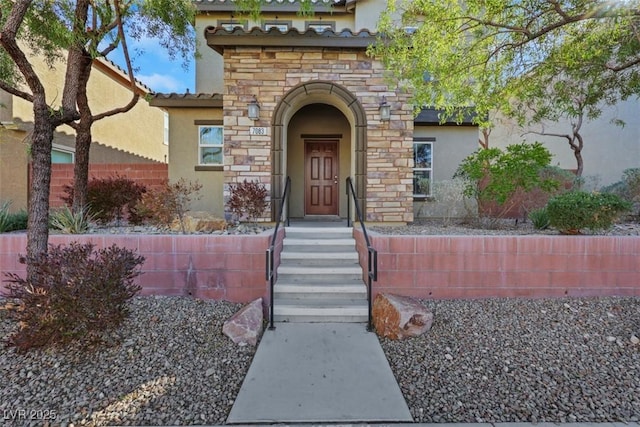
x=186 y=100
x=219 y=37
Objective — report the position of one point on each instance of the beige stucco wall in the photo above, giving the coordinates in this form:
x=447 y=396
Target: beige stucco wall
x=13 y=168
x=183 y=152
x=608 y=149
x=452 y=144
x=367 y=13
x=316 y=119
x=139 y=131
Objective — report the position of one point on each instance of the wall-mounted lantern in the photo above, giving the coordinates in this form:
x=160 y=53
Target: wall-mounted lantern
x=253 y=109
x=385 y=110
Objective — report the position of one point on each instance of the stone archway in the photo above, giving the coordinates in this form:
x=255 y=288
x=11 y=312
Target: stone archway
x=313 y=92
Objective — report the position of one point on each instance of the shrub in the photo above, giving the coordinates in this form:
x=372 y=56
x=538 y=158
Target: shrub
x=170 y=202
x=107 y=198
x=576 y=210
x=493 y=176
x=248 y=199
x=12 y=221
x=539 y=218
x=69 y=222
x=78 y=295
x=628 y=188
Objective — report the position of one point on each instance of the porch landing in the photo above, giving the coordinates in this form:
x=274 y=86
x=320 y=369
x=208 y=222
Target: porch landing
x=319 y=372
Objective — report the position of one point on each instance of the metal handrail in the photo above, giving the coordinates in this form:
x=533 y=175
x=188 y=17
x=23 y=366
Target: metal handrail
x=270 y=251
x=372 y=254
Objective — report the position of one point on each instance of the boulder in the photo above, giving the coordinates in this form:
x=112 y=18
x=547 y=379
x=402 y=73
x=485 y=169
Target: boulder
x=245 y=326
x=200 y=222
x=397 y=317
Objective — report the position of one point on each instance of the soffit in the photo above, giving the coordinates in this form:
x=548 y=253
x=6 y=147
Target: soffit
x=277 y=5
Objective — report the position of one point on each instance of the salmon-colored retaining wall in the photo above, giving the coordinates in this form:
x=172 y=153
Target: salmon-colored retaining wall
x=230 y=267
x=149 y=174
x=505 y=266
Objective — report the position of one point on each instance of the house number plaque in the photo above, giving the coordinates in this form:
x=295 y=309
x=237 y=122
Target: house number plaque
x=258 y=130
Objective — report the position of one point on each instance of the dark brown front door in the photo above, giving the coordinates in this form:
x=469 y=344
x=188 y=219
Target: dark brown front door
x=321 y=177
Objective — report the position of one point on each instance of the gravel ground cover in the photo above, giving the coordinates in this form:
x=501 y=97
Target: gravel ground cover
x=510 y=360
x=169 y=364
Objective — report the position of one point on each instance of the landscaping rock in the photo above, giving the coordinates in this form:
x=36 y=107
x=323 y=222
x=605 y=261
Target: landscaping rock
x=245 y=326
x=397 y=317
x=200 y=222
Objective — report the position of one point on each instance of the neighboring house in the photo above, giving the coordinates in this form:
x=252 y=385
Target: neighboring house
x=321 y=117
x=137 y=136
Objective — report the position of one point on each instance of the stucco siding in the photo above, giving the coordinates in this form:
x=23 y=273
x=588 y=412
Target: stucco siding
x=13 y=169
x=183 y=146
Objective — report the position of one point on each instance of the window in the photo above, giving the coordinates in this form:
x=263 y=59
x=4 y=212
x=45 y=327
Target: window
x=230 y=26
x=165 y=137
x=210 y=145
x=283 y=27
x=423 y=166
x=320 y=26
x=62 y=154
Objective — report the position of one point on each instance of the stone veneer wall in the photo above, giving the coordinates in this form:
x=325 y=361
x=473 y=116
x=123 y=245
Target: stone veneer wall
x=230 y=268
x=504 y=266
x=270 y=73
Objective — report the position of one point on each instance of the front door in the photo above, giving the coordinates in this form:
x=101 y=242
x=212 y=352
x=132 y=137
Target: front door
x=321 y=177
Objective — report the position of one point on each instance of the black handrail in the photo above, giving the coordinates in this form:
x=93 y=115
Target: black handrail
x=372 y=261
x=270 y=251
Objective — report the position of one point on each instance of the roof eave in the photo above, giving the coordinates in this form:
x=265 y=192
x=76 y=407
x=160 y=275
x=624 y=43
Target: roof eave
x=186 y=101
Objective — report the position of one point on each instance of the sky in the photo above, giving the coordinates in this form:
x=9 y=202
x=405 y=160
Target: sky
x=154 y=67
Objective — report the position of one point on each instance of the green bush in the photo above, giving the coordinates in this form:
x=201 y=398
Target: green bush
x=12 y=221
x=76 y=294
x=494 y=176
x=628 y=188
x=577 y=210
x=110 y=198
x=540 y=218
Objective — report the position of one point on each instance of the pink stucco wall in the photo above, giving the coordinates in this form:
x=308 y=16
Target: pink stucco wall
x=230 y=267
x=505 y=266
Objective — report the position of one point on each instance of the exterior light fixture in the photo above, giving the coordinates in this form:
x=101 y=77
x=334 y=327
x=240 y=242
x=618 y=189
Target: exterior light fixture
x=385 y=110
x=253 y=109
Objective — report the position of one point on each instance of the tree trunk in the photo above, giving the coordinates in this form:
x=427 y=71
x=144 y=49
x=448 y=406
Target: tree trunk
x=83 y=138
x=580 y=164
x=38 y=222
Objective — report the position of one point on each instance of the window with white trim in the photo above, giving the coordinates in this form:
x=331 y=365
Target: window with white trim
x=422 y=166
x=210 y=145
x=62 y=154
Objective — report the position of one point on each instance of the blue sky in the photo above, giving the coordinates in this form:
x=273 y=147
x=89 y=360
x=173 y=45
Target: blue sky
x=154 y=67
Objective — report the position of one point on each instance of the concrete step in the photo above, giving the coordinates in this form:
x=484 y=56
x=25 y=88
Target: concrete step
x=319 y=233
x=319 y=261
x=320 y=270
x=312 y=280
x=319 y=291
x=311 y=256
x=347 y=311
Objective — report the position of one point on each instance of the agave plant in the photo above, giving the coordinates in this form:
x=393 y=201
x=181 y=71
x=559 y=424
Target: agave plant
x=70 y=222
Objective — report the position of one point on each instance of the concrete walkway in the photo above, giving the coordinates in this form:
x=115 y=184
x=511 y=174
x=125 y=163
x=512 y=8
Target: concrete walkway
x=319 y=372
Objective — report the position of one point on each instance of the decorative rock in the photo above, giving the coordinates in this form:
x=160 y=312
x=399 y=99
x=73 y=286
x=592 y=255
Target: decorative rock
x=397 y=317
x=245 y=326
x=202 y=222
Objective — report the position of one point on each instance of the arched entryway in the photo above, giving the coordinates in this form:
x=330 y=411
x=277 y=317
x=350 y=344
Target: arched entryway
x=313 y=120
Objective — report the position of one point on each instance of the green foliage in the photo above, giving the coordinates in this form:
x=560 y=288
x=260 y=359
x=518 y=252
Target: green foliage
x=577 y=210
x=69 y=222
x=110 y=198
x=494 y=175
x=11 y=221
x=473 y=53
x=170 y=202
x=540 y=218
x=248 y=199
x=79 y=294
x=628 y=188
